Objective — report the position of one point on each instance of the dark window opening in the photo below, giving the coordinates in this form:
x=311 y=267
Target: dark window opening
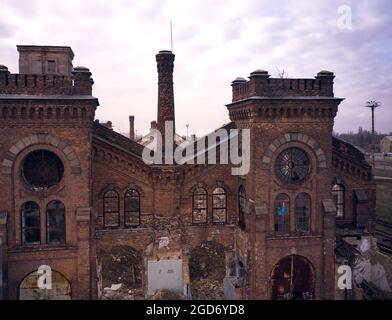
x=55 y=222
x=111 y=210
x=31 y=230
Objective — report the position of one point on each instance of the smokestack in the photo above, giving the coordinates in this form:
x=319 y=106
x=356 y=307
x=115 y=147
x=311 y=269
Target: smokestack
x=165 y=64
x=132 y=127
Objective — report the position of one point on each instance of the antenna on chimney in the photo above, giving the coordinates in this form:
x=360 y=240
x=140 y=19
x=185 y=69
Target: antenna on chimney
x=171 y=36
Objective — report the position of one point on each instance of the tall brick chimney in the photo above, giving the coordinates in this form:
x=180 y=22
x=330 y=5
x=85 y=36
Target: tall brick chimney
x=165 y=64
x=132 y=127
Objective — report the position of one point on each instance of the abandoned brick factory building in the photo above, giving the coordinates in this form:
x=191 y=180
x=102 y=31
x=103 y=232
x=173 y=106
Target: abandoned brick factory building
x=78 y=197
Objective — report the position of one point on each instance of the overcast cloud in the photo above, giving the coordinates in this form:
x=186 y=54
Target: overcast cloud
x=214 y=42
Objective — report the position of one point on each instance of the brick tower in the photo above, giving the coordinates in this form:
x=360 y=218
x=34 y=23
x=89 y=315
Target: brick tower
x=165 y=65
x=291 y=220
x=45 y=124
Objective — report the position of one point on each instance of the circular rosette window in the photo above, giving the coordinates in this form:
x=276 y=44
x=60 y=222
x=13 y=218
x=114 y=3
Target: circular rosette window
x=42 y=169
x=292 y=165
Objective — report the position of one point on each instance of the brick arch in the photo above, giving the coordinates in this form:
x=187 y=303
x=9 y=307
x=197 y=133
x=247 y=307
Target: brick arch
x=40 y=138
x=294 y=137
x=135 y=187
x=221 y=184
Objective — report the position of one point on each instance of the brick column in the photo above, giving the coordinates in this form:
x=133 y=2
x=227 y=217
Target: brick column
x=329 y=221
x=3 y=251
x=84 y=276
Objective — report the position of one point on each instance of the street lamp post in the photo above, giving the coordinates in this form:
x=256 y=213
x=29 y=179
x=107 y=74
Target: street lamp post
x=372 y=105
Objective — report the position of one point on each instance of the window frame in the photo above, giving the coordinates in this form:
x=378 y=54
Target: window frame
x=106 y=212
x=342 y=204
x=307 y=216
x=204 y=194
x=214 y=208
x=24 y=228
x=126 y=196
x=47 y=224
x=286 y=216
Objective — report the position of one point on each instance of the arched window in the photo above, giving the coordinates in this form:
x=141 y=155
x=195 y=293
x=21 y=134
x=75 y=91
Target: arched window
x=302 y=212
x=241 y=206
x=282 y=213
x=219 y=206
x=55 y=222
x=199 y=206
x=111 y=210
x=132 y=208
x=31 y=230
x=338 y=196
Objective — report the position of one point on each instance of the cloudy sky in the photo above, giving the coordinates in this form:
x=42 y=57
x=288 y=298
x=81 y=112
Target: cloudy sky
x=214 y=42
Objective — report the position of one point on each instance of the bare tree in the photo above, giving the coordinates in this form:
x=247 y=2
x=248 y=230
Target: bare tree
x=281 y=73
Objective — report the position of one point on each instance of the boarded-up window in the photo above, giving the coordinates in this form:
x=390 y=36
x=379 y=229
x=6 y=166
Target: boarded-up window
x=219 y=203
x=111 y=210
x=199 y=207
x=132 y=208
x=31 y=231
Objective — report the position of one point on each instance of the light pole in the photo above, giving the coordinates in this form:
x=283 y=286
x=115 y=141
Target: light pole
x=372 y=105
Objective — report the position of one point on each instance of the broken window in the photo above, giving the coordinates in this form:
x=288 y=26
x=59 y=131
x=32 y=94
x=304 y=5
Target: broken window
x=31 y=231
x=199 y=206
x=302 y=212
x=241 y=206
x=338 y=194
x=282 y=213
x=42 y=169
x=55 y=222
x=219 y=203
x=111 y=211
x=132 y=208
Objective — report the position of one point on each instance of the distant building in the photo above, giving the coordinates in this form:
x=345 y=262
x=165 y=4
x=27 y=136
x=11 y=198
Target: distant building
x=386 y=144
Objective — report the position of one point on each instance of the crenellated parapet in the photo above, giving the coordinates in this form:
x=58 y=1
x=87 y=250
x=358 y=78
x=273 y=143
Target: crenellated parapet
x=260 y=84
x=80 y=83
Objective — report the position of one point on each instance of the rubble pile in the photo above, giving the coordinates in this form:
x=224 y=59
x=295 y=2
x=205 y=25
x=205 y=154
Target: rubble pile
x=207 y=270
x=206 y=289
x=119 y=292
x=122 y=264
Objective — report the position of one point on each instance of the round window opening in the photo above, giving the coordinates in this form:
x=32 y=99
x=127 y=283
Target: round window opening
x=42 y=169
x=292 y=165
